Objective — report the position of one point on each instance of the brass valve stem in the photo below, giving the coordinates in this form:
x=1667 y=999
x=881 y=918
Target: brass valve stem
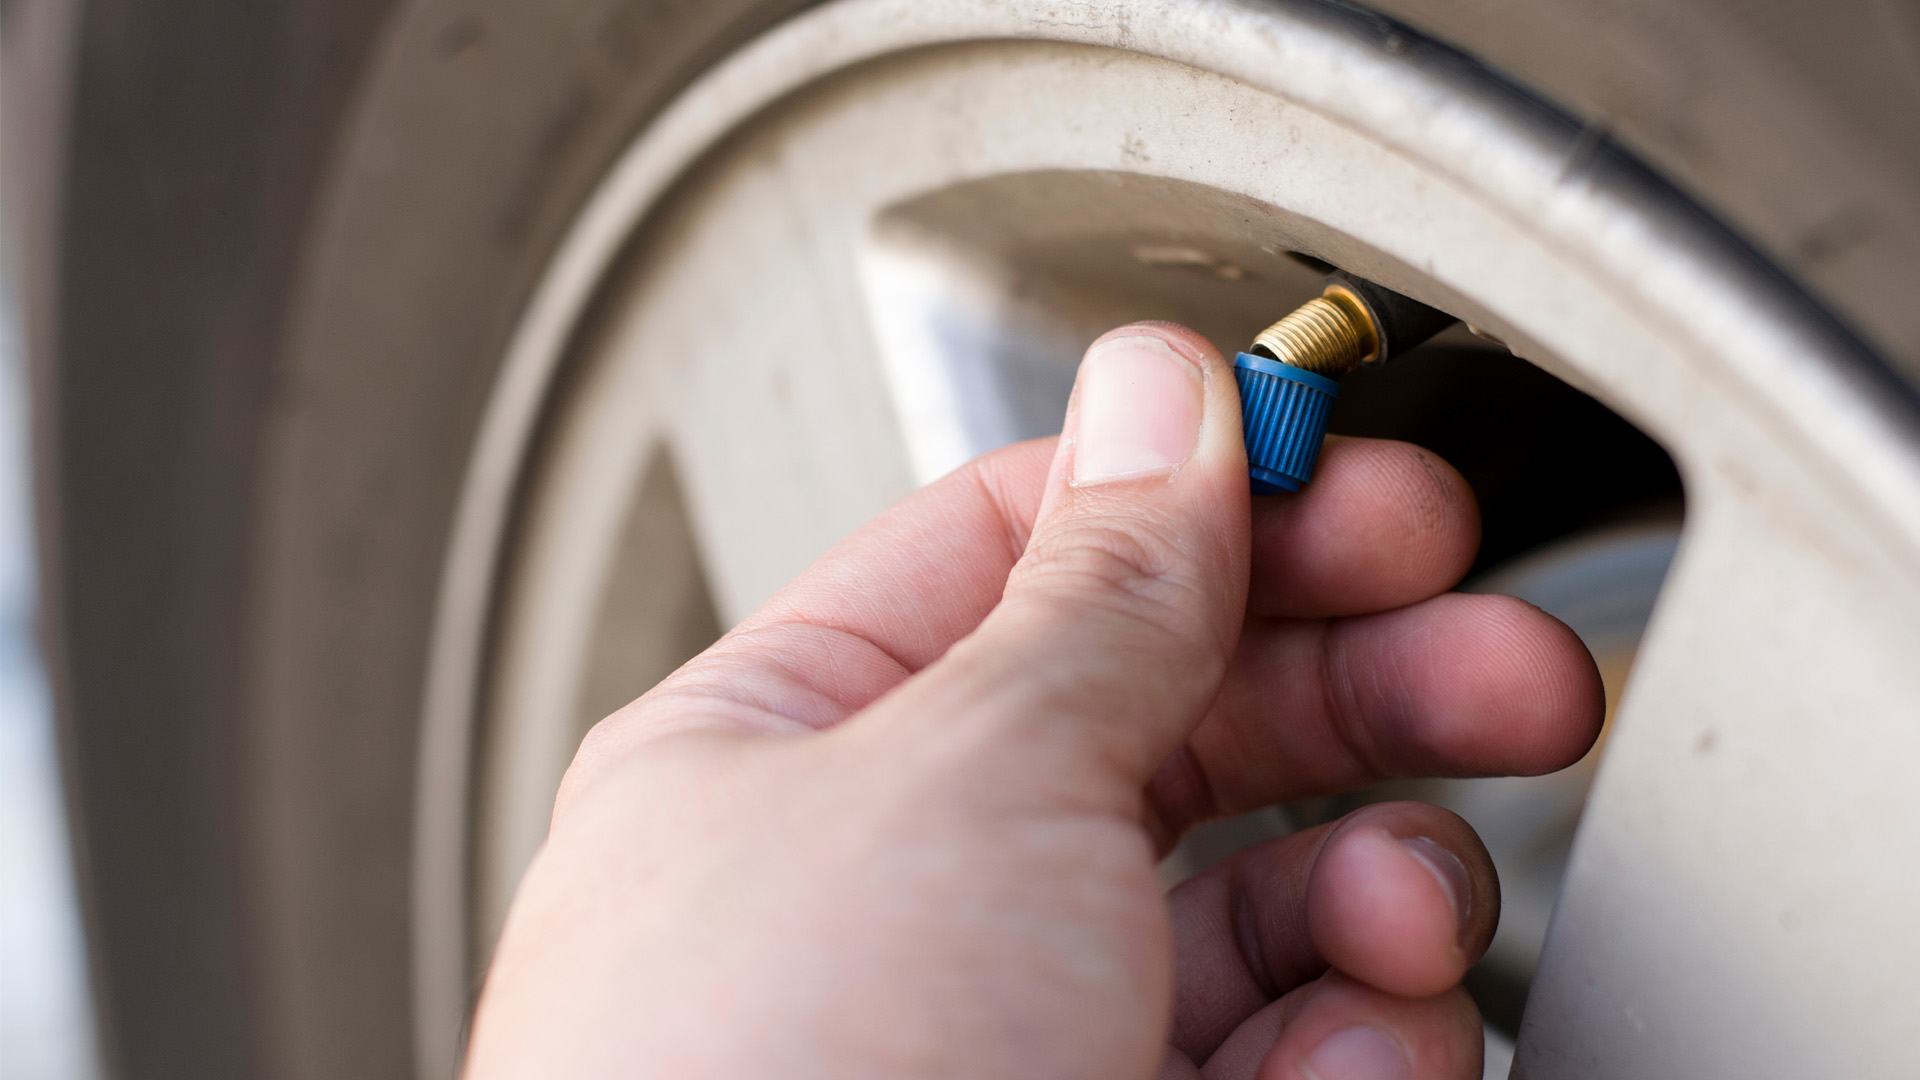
x=1289 y=377
x=1329 y=335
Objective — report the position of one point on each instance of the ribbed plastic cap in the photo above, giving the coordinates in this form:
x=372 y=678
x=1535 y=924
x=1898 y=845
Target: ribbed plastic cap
x=1284 y=411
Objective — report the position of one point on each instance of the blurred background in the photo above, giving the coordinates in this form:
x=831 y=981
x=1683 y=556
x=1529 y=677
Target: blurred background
x=46 y=1015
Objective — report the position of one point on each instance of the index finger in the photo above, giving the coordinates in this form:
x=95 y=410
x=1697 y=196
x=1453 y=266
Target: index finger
x=1383 y=525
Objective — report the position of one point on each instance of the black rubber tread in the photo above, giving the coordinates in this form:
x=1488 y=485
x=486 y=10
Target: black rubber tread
x=197 y=129
x=1796 y=122
x=245 y=826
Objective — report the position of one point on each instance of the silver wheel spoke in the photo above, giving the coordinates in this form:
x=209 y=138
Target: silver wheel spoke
x=1750 y=820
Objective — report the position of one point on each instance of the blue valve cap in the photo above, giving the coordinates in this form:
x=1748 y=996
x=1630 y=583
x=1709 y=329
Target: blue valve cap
x=1284 y=412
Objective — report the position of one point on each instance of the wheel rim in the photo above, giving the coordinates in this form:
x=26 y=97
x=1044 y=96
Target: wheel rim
x=903 y=158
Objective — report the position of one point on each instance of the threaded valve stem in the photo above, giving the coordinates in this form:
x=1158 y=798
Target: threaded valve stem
x=1290 y=375
x=1329 y=335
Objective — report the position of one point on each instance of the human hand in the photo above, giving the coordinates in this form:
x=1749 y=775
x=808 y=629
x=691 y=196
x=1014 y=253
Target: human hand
x=903 y=821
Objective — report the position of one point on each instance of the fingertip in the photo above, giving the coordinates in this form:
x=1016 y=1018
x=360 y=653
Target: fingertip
x=1378 y=915
x=1185 y=340
x=1551 y=700
x=1469 y=685
x=1403 y=897
x=1383 y=524
x=1348 y=1030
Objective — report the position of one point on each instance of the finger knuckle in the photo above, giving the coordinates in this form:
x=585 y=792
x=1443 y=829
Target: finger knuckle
x=1135 y=567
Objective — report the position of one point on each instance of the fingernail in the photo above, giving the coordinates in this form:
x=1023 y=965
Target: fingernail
x=1139 y=411
x=1356 y=1053
x=1449 y=871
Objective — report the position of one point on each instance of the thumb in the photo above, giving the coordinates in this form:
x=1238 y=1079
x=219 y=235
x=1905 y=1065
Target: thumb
x=1118 y=621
